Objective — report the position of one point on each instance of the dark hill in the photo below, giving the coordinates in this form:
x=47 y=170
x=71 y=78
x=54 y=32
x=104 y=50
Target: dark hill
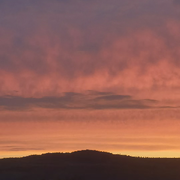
x=88 y=165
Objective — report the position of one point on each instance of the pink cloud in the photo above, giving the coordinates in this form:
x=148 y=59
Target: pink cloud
x=91 y=47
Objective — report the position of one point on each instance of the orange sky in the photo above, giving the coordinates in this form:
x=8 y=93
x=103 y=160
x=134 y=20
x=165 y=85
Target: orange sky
x=101 y=75
x=133 y=132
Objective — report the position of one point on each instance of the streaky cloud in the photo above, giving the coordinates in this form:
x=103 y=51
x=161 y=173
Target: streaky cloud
x=71 y=100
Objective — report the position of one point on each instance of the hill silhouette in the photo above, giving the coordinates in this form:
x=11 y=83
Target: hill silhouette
x=88 y=165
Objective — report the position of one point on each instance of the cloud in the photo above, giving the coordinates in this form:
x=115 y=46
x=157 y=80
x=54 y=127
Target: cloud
x=19 y=148
x=71 y=100
x=125 y=47
x=114 y=97
x=176 y=2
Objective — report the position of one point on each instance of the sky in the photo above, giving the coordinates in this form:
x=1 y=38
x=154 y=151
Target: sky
x=90 y=74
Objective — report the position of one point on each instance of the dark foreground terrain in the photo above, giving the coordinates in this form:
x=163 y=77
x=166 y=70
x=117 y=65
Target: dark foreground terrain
x=88 y=165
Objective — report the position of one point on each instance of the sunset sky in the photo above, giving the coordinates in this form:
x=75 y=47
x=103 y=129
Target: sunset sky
x=90 y=74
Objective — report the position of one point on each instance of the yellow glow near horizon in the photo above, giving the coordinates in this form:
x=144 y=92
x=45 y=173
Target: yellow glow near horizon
x=146 y=154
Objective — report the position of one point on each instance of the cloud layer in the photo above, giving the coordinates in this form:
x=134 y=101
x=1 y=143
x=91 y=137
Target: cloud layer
x=71 y=100
x=119 y=46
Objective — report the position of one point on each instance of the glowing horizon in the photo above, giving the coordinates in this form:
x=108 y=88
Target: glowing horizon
x=132 y=132
x=142 y=154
